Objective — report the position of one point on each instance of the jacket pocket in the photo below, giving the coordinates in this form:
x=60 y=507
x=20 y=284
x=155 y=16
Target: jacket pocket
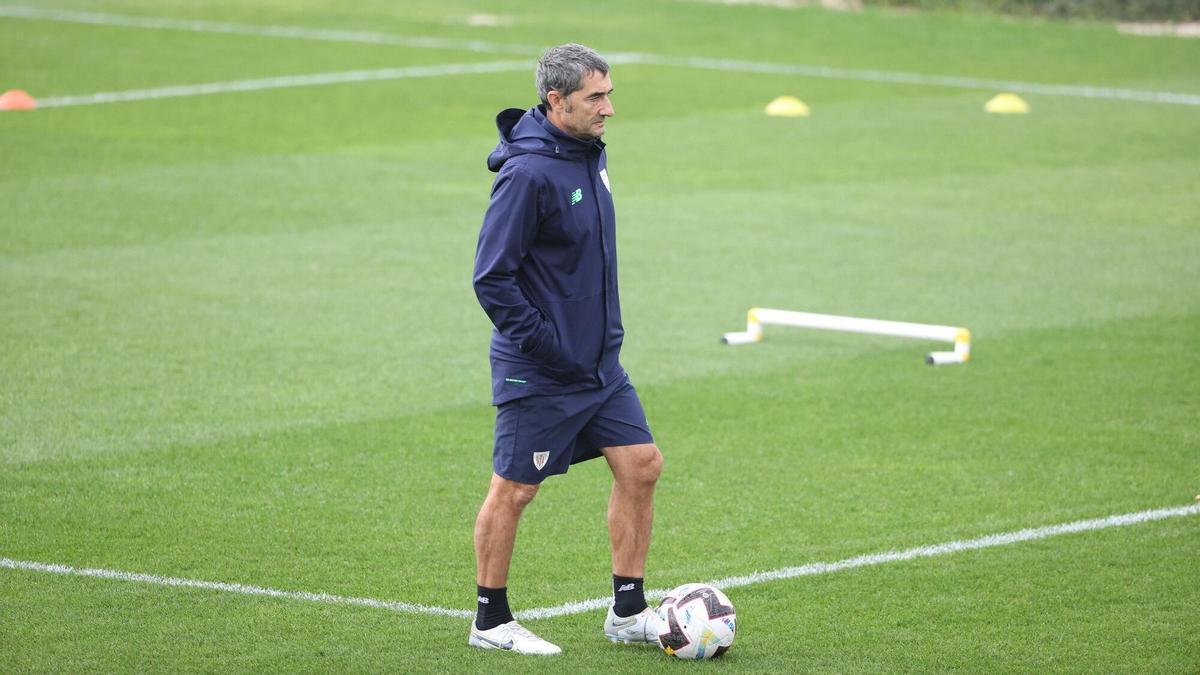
x=558 y=362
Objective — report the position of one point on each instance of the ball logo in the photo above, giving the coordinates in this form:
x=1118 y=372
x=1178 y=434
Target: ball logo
x=540 y=459
x=712 y=604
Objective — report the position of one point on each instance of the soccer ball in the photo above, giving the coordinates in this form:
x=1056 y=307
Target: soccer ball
x=696 y=622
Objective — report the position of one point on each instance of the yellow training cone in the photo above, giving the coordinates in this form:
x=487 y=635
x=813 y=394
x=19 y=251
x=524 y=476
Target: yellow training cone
x=787 y=106
x=1007 y=104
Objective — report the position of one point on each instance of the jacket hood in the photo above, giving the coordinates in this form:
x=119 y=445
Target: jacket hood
x=524 y=132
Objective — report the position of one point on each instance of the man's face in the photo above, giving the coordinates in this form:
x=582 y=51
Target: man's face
x=582 y=114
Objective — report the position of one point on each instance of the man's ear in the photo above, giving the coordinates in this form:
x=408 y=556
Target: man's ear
x=554 y=99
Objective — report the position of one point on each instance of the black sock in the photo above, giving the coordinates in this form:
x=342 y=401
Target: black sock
x=628 y=598
x=492 y=609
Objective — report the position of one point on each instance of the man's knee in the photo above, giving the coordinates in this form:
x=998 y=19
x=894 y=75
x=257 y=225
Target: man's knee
x=652 y=464
x=512 y=493
x=641 y=464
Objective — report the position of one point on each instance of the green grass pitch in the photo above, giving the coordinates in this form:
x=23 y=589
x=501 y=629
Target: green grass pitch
x=238 y=341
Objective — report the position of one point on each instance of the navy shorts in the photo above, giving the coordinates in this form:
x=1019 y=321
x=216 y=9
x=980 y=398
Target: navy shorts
x=540 y=436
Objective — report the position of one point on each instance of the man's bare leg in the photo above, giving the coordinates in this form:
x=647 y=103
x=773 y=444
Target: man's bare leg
x=495 y=533
x=635 y=469
x=496 y=529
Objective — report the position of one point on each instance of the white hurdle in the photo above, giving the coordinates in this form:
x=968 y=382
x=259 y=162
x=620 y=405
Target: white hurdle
x=758 y=317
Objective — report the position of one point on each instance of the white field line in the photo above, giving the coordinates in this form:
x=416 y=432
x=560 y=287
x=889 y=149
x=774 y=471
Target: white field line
x=154 y=579
x=282 y=82
x=732 y=65
x=294 y=32
x=899 y=77
x=579 y=607
x=810 y=569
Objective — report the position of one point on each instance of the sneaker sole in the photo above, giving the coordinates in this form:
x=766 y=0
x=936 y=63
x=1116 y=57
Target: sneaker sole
x=626 y=641
x=483 y=643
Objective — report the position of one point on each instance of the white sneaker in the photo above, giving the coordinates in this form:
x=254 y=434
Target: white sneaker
x=510 y=636
x=641 y=627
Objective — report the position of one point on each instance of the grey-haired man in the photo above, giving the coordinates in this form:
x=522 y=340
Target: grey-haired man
x=546 y=274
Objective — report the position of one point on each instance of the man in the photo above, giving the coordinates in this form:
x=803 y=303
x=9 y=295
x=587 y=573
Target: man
x=546 y=274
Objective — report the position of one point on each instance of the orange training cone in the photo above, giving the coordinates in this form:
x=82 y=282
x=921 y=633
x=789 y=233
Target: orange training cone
x=16 y=99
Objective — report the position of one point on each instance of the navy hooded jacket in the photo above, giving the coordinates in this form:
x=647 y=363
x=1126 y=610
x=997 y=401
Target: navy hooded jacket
x=546 y=263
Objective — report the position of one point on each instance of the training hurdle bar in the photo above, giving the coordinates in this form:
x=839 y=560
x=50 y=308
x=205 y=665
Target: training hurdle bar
x=758 y=317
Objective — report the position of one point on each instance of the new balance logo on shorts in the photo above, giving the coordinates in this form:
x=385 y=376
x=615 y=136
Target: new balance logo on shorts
x=540 y=459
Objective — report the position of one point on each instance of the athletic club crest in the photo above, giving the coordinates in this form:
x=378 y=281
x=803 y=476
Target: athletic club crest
x=540 y=459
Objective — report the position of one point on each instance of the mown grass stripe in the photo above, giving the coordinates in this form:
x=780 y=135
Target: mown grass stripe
x=810 y=569
x=730 y=65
